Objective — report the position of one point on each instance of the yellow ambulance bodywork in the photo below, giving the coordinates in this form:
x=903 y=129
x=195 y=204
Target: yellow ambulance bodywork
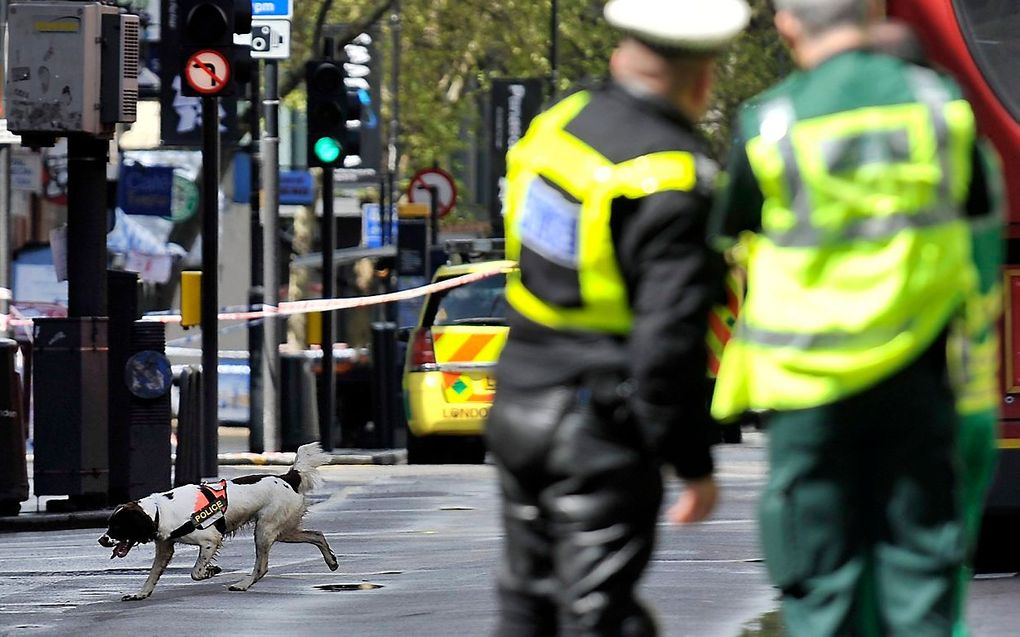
x=453 y=396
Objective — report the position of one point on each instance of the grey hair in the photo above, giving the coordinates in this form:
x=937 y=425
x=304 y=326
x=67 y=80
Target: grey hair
x=819 y=16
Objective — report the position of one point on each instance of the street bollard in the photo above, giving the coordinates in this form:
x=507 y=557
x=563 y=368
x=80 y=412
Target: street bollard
x=13 y=468
x=384 y=385
x=188 y=465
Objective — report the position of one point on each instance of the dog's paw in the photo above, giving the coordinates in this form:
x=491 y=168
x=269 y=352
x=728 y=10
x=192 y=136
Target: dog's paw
x=214 y=570
x=332 y=563
x=134 y=597
x=239 y=586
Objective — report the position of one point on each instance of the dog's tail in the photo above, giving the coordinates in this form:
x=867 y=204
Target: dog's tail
x=307 y=462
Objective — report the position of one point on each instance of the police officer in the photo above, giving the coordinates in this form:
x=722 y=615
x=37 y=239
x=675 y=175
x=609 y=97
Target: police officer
x=857 y=175
x=603 y=375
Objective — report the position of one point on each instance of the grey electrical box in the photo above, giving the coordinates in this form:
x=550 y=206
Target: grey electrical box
x=119 y=91
x=72 y=67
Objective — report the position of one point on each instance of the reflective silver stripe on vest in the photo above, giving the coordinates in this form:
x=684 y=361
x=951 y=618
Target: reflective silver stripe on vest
x=804 y=341
x=776 y=121
x=932 y=93
x=867 y=229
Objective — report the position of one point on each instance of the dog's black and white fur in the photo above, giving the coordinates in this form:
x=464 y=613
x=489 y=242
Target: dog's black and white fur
x=274 y=503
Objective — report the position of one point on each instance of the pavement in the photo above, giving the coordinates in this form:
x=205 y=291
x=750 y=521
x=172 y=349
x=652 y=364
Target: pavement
x=232 y=442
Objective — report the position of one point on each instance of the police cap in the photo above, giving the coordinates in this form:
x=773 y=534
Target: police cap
x=686 y=25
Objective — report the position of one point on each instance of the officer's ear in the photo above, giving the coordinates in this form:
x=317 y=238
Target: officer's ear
x=790 y=28
x=703 y=82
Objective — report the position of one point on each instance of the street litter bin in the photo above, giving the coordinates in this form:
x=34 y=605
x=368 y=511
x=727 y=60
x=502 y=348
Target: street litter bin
x=299 y=410
x=70 y=413
x=13 y=468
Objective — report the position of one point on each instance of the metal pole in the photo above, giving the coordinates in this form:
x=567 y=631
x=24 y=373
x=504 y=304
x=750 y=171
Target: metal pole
x=5 y=216
x=327 y=390
x=393 y=150
x=270 y=247
x=5 y=185
x=87 y=157
x=210 y=283
x=554 y=40
x=395 y=92
x=433 y=217
x=255 y=293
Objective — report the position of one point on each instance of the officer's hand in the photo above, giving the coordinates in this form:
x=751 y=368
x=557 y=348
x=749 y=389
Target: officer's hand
x=696 y=501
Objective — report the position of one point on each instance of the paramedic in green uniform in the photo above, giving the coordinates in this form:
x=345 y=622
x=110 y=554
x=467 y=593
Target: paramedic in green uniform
x=855 y=178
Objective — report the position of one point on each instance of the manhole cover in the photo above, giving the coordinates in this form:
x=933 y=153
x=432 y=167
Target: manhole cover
x=364 y=586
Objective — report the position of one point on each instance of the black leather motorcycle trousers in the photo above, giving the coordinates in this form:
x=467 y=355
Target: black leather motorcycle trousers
x=581 y=496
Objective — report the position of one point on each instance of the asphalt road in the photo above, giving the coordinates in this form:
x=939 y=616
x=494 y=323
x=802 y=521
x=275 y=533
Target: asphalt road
x=418 y=547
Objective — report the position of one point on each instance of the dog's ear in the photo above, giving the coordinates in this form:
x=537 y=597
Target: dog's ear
x=131 y=522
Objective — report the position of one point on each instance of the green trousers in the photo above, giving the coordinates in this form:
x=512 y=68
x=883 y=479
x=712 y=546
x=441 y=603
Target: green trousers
x=861 y=520
x=978 y=453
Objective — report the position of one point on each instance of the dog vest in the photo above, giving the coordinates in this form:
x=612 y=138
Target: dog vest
x=210 y=509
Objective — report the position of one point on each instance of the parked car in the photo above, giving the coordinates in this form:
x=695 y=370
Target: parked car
x=448 y=378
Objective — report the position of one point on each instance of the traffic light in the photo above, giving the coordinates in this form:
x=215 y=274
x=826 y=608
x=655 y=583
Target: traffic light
x=210 y=62
x=357 y=99
x=327 y=113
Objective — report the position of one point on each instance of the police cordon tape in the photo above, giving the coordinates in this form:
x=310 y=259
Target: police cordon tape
x=315 y=305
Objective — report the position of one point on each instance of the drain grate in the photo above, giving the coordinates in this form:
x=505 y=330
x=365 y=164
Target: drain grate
x=336 y=588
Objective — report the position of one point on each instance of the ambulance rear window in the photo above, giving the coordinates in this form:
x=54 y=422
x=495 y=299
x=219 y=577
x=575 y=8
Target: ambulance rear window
x=479 y=303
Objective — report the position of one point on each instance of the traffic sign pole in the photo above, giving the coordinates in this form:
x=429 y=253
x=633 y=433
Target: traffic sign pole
x=210 y=284
x=255 y=292
x=270 y=248
x=434 y=212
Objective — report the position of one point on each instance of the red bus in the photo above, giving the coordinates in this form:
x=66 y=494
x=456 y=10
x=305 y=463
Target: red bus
x=979 y=42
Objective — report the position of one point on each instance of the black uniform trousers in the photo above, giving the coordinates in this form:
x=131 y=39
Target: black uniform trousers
x=581 y=499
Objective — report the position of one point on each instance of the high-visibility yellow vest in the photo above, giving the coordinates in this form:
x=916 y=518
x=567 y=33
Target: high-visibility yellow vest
x=558 y=204
x=864 y=255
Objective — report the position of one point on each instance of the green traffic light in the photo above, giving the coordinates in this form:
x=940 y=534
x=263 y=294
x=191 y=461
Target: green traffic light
x=327 y=150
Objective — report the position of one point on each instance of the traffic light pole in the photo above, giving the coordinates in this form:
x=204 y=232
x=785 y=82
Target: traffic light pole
x=327 y=391
x=270 y=247
x=255 y=292
x=210 y=284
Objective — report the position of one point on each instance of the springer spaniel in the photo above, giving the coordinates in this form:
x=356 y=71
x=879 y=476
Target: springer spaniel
x=203 y=514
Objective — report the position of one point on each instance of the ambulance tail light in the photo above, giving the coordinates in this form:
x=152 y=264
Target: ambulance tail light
x=423 y=356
